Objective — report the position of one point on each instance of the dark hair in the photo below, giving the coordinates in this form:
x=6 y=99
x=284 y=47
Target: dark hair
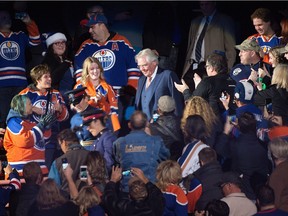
x=138 y=120
x=137 y=189
x=247 y=123
x=207 y=155
x=32 y=173
x=195 y=128
x=217 y=208
x=218 y=62
x=68 y=135
x=96 y=167
x=262 y=13
x=265 y=195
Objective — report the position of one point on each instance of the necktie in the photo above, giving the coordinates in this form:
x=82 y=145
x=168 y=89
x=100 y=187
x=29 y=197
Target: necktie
x=148 y=81
x=200 y=41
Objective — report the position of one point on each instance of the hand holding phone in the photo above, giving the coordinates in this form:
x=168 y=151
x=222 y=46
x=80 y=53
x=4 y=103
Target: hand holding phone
x=64 y=163
x=83 y=172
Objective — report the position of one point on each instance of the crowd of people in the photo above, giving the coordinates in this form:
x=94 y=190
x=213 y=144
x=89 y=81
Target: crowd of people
x=109 y=131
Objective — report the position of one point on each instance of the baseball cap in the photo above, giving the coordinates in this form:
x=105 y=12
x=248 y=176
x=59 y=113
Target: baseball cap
x=230 y=177
x=97 y=18
x=76 y=95
x=278 y=132
x=244 y=91
x=91 y=114
x=166 y=103
x=250 y=44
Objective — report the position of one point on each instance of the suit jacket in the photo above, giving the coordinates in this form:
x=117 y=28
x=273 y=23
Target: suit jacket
x=163 y=84
x=220 y=35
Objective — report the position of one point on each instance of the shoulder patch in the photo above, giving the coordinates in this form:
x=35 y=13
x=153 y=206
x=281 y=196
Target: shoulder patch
x=236 y=71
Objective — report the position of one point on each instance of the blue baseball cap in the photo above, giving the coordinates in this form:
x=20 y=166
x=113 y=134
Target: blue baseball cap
x=97 y=18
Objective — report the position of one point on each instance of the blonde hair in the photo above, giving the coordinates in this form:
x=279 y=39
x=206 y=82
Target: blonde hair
x=199 y=106
x=280 y=76
x=86 y=198
x=86 y=65
x=279 y=148
x=168 y=172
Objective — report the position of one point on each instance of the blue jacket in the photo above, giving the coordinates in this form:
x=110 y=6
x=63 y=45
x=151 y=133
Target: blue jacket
x=140 y=150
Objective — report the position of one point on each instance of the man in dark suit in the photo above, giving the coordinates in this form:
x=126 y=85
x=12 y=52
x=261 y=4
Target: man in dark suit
x=155 y=83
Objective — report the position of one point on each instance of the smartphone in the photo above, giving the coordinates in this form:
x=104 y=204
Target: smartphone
x=64 y=163
x=223 y=95
x=126 y=172
x=83 y=172
x=232 y=119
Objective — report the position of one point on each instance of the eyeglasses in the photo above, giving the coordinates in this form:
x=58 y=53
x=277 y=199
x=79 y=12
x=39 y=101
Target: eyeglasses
x=143 y=66
x=60 y=43
x=223 y=185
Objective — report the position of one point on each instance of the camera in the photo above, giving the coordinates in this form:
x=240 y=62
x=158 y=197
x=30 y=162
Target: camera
x=126 y=172
x=83 y=172
x=64 y=163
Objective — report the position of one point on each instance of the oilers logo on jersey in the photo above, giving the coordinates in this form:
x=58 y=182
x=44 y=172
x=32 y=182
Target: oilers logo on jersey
x=106 y=57
x=9 y=50
x=42 y=104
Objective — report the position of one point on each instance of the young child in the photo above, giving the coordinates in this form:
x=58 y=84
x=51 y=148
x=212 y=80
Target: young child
x=169 y=176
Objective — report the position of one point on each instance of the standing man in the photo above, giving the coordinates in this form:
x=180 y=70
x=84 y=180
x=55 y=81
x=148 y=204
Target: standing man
x=155 y=83
x=140 y=150
x=12 y=59
x=116 y=55
x=209 y=32
x=262 y=20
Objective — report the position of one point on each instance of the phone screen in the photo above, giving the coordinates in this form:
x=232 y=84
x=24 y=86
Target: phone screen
x=64 y=163
x=83 y=172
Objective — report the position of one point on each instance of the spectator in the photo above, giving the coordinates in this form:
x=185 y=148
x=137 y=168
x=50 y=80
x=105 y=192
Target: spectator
x=276 y=56
x=277 y=92
x=278 y=179
x=211 y=87
x=12 y=62
x=168 y=176
x=155 y=83
x=238 y=203
x=194 y=134
x=120 y=70
x=20 y=201
x=251 y=56
x=95 y=120
x=265 y=202
x=45 y=100
x=75 y=155
x=88 y=202
x=208 y=174
x=5 y=192
x=285 y=51
x=144 y=197
x=247 y=156
x=49 y=202
x=138 y=149
x=215 y=208
x=199 y=106
x=167 y=125
x=101 y=94
x=262 y=19
x=24 y=140
x=201 y=43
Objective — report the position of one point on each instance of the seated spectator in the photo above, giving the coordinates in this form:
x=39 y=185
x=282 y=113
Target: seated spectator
x=74 y=154
x=88 y=202
x=144 y=197
x=265 y=202
x=167 y=125
x=279 y=178
x=195 y=133
x=168 y=176
x=21 y=200
x=95 y=120
x=49 y=201
x=215 y=208
x=5 y=192
x=237 y=201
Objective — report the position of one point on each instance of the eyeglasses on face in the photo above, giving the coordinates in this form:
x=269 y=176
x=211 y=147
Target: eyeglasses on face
x=143 y=66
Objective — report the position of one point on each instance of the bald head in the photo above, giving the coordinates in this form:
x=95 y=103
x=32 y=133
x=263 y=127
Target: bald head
x=138 y=120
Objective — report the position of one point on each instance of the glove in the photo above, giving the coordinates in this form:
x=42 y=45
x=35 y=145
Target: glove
x=46 y=121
